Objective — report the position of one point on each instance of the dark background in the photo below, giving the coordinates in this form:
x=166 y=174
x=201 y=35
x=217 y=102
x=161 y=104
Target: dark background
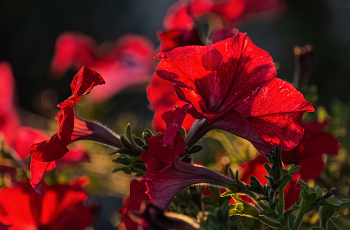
x=29 y=28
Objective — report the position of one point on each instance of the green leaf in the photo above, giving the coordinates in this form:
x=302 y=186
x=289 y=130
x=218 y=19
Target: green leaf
x=267 y=168
x=231 y=173
x=195 y=149
x=215 y=191
x=125 y=142
x=139 y=141
x=147 y=134
x=137 y=151
x=287 y=178
x=122 y=151
x=291 y=221
x=123 y=159
x=183 y=133
x=122 y=168
x=236 y=189
x=207 y=200
x=128 y=133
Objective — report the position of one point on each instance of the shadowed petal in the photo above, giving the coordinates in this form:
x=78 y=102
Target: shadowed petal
x=165 y=185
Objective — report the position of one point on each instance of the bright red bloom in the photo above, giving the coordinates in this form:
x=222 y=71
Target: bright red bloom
x=126 y=63
x=232 y=85
x=70 y=128
x=163 y=98
x=61 y=208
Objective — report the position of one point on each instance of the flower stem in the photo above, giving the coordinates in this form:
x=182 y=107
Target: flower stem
x=297 y=222
x=269 y=222
x=281 y=196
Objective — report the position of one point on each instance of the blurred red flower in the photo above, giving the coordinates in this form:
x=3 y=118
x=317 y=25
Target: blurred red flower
x=308 y=152
x=233 y=10
x=9 y=121
x=126 y=63
x=232 y=85
x=60 y=208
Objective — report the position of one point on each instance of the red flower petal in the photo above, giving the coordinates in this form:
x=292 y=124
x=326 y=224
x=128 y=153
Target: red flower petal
x=137 y=196
x=163 y=98
x=61 y=208
x=171 y=39
x=37 y=170
x=222 y=34
x=158 y=156
x=307 y=172
x=84 y=81
x=173 y=120
x=48 y=150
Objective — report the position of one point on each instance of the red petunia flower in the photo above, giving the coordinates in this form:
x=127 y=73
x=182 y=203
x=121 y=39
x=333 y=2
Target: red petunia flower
x=126 y=63
x=61 y=208
x=232 y=86
x=70 y=128
x=308 y=152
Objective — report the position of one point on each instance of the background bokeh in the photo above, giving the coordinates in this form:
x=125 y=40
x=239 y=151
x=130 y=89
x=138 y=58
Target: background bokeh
x=28 y=30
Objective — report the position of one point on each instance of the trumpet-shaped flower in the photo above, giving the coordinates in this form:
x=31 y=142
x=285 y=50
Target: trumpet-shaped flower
x=70 y=128
x=231 y=85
